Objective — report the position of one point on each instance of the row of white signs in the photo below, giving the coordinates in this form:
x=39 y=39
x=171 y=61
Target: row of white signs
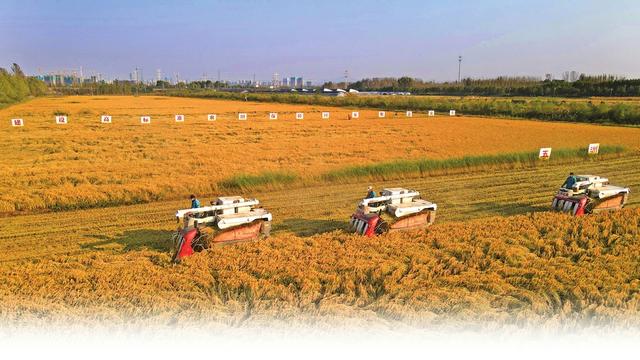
x=106 y=119
x=545 y=153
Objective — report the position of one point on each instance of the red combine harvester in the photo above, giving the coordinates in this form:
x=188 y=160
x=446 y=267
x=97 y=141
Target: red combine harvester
x=396 y=209
x=228 y=220
x=590 y=194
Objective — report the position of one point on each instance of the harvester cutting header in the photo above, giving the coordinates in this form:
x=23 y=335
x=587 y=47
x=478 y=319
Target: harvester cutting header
x=586 y=194
x=395 y=209
x=229 y=219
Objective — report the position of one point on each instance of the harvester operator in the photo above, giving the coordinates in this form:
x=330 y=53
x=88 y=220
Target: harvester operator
x=370 y=193
x=571 y=180
x=195 y=203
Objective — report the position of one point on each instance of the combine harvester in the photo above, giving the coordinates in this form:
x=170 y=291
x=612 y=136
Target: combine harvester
x=395 y=209
x=230 y=219
x=590 y=194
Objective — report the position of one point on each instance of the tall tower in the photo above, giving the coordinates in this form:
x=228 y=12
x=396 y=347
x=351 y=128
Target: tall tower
x=275 y=79
x=346 y=79
x=459 y=66
x=158 y=75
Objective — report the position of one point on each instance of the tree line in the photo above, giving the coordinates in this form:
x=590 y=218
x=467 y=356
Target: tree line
x=585 y=86
x=15 y=86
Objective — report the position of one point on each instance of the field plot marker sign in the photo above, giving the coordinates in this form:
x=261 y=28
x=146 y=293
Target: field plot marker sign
x=431 y=113
x=105 y=119
x=409 y=113
x=545 y=153
x=145 y=119
x=61 y=119
x=179 y=118
x=325 y=115
x=355 y=115
x=273 y=116
x=381 y=114
x=299 y=116
x=594 y=149
x=242 y=116
x=452 y=113
x=211 y=117
x=17 y=122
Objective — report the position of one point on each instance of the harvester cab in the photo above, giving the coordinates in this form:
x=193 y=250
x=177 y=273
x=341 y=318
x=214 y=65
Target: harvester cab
x=229 y=219
x=590 y=194
x=395 y=209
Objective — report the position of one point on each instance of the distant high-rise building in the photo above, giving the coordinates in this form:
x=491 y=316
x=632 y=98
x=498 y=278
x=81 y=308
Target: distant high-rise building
x=299 y=82
x=570 y=76
x=292 y=81
x=285 y=81
x=308 y=83
x=275 y=80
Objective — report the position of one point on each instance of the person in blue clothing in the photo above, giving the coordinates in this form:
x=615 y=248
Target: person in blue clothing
x=571 y=180
x=370 y=193
x=195 y=203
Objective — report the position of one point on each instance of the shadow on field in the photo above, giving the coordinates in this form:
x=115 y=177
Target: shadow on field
x=502 y=209
x=159 y=240
x=308 y=227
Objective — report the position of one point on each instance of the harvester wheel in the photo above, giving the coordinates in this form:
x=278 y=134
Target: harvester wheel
x=382 y=227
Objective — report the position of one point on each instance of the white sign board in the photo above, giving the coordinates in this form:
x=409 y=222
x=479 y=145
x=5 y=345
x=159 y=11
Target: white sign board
x=242 y=116
x=273 y=116
x=61 y=119
x=179 y=118
x=145 y=119
x=409 y=113
x=431 y=113
x=105 y=119
x=545 y=153
x=211 y=117
x=299 y=116
x=17 y=122
x=452 y=113
x=355 y=114
x=325 y=115
x=594 y=148
x=381 y=114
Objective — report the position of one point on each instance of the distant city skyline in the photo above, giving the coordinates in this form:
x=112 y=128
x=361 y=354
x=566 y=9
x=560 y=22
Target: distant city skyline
x=319 y=41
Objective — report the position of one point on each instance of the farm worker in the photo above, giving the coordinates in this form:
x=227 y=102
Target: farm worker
x=195 y=203
x=370 y=193
x=571 y=180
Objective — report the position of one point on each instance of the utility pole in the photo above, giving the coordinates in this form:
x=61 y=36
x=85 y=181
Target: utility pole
x=459 y=66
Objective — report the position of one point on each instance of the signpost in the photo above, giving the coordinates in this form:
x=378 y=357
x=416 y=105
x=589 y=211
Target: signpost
x=273 y=116
x=242 y=116
x=409 y=113
x=355 y=114
x=452 y=113
x=431 y=113
x=594 y=149
x=145 y=119
x=299 y=116
x=61 y=119
x=211 y=117
x=179 y=118
x=17 y=122
x=105 y=119
x=325 y=115
x=381 y=114
x=545 y=153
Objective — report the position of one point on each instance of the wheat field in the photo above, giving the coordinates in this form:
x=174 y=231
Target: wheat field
x=86 y=164
x=495 y=255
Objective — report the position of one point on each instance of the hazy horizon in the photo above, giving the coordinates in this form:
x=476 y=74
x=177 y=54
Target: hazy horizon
x=320 y=40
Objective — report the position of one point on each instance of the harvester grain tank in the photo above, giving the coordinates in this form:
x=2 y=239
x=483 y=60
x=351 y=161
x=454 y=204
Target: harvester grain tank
x=590 y=194
x=395 y=209
x=229 y=219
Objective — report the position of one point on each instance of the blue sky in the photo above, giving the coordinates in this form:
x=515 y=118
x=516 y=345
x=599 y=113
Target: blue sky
x=322 y=39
